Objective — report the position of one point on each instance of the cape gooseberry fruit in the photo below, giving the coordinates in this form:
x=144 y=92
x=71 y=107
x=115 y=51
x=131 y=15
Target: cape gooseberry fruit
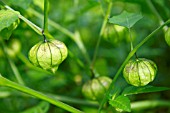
x=94 y=89
x=48 y=54
x=167 y=36
x=113 y=33
x=140 y=72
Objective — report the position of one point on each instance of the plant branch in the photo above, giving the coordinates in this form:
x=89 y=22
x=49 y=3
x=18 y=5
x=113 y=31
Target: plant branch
x=101 y=33
x=153 y=9
x=8 y=83
x=131 y=43
x=127 y=59
x=13 y=66
x=46 y=8
x=32 y=25
x=75 y=100
x=148 y=104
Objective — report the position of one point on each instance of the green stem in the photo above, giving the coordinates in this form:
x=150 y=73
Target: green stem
x=142 y=105
x=16 y=72
x=75 y=100
x=131 y=43
x=13 y=66
x=127 y=59
x=8 y=83
x=32 y=25
x=101 y=33
x=153 y=9
x=46 y=8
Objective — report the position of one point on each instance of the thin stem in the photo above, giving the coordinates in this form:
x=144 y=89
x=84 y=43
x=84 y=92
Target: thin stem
x=13 y=66
x=127 y=59
x=75 y=100
x=142 y=105
x=131 y=43
x=153 y=9
x=32 y=25
x=46 y=8
x=8 y=83
x=52 y=23
x=101 y=33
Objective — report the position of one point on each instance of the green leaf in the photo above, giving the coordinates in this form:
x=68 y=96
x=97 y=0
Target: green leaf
x=121 y=103
x=7 y=32
x=144 y=89
x=7 y=17
x=40 y=108
x=126 y=19
x=20 y=3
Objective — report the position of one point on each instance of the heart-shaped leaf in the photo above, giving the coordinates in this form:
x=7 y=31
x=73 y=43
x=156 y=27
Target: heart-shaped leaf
x=126 y=19
x=121 y=103
x=7 y=17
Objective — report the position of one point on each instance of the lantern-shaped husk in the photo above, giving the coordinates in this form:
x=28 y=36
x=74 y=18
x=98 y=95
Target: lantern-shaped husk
x=94 y=89
x=140 y=72
x=48 y=54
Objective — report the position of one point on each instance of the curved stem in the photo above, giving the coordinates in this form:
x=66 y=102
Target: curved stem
x=32 y=25
x=8 y=83
x=13 y=66
x=101 y=33
x=46 y=8
x=153 y=9
x=127 y=59
x=147 y=104
x=75 y=100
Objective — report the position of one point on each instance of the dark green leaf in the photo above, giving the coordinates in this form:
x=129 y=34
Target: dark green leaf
x=144 y=89
x=126 y=19
x=121 y=103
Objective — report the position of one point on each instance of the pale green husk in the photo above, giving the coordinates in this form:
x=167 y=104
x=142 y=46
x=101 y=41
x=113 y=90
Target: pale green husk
x=95 y=88
x=140 y=72
x=48 y=55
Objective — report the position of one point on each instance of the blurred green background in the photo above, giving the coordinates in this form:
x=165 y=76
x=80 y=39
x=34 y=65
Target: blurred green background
x=85 y=16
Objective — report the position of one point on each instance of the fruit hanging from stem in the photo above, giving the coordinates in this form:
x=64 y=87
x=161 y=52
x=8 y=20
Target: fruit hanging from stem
x=140 y=72
x=48 y=54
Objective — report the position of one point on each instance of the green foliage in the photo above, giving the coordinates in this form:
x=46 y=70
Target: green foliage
x=131 y=90
x=20 y=3
x=126 y=19
x=121 y=103
x=7 y=22
x=78 y=23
